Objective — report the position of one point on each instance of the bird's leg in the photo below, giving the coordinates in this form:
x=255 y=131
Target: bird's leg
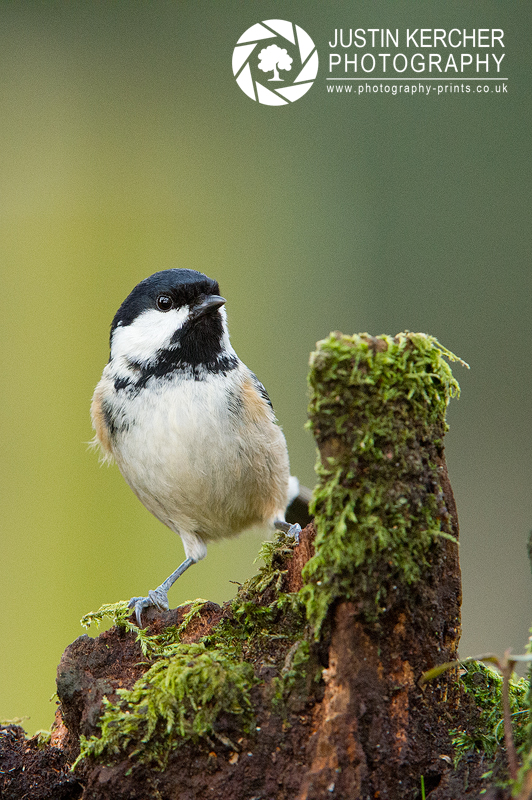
x=292 y=530
x=158 y=597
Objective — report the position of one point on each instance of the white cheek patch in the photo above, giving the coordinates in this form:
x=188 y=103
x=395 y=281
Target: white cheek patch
x=226 y=344
x=151 y=331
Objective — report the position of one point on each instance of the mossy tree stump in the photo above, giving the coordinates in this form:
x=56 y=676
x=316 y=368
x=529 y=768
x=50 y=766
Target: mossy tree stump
x=306 y=686
x=385 y=579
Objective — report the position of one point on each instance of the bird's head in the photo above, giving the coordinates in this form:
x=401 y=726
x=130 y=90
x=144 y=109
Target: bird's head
x=173 y=319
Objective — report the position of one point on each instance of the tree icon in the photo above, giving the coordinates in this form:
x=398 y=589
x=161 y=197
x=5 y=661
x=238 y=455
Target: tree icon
x=274 y=58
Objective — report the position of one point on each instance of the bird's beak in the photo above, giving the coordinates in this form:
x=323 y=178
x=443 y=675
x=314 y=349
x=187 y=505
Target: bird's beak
x=207 y=306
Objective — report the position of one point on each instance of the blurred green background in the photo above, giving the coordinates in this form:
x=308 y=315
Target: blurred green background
x=127 y=147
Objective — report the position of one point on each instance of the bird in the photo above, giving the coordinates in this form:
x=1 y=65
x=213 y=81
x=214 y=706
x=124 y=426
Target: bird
x=190 y=426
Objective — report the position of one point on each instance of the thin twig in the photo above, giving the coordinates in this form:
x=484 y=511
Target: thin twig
x=506 y=667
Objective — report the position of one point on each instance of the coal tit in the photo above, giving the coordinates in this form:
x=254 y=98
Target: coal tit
x=191 y=428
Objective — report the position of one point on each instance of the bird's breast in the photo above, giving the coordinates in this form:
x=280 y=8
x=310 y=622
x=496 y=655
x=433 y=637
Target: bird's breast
x=203 y=456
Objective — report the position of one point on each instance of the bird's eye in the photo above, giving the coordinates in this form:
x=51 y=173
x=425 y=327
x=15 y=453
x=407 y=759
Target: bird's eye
x=164 y=302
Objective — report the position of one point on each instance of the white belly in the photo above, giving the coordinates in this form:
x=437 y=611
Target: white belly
x=199 y=468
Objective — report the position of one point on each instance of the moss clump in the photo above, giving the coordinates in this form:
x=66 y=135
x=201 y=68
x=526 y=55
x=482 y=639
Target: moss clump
x=525 y=751
x=273 y=554
x=377 y=409
x=486 y=735
x=179 y=697
x=42 y=738
x=261 y=602
x=159 y=646
x=262 y=616
x=188 y=687
x=293 y=679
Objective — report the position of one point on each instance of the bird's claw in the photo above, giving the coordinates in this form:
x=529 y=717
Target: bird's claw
x=290 y=530
x=156 y=597
x=294 y=531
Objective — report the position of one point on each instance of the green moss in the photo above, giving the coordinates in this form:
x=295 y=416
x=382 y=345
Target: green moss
x=119 y=613
x=42 y=738
x=160 y=646
x=486 y=734
x=262 y=615
x=182 y=695
x=178 y=698
x=261 y=602
x=526 y=749
x=293 y=676
x=377 y=405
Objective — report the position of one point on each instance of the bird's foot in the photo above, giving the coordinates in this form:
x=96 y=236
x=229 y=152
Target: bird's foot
x=156 y=597
x=290 y=530
x=159 y=597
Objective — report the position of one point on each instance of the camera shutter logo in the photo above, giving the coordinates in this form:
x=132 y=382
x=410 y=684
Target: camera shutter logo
x=286 y=55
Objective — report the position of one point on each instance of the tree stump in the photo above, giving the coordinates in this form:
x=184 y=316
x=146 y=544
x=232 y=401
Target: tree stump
x=307 y=684
x=387 y=562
